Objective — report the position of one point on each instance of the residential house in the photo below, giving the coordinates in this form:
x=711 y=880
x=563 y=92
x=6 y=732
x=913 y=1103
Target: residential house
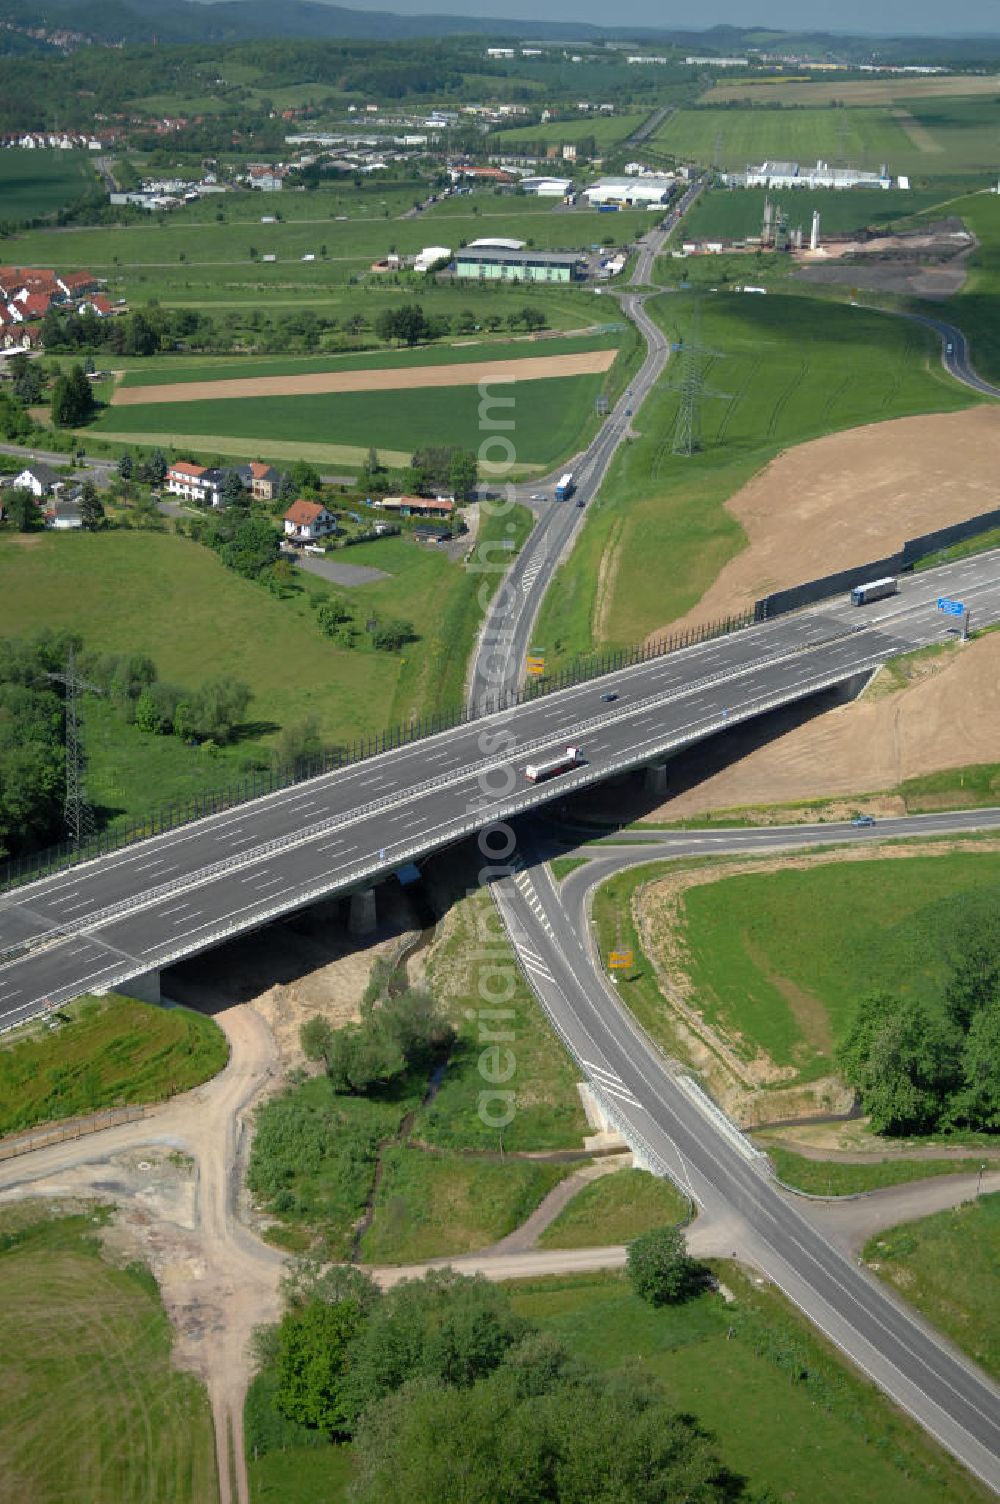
x=267 y=179
x=429 y=532
x=64 y=513
x=305 y=521
x=28 y=305
x=416 y=506
x=39 y=479
x=195 y=483
x=262 y=481
x=76 y=284
x=98 y=304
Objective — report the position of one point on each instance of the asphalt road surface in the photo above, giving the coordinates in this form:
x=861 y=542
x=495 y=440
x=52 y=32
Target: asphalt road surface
x=115 y=917
x=680 y=1132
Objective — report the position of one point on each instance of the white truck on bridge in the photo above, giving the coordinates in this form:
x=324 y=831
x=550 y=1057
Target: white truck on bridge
x=537 y=772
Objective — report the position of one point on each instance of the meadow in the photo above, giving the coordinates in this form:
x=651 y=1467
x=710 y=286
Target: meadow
x=730 y=138
x=785 y=1412
x=607 y=131
x=660 y=525
x=615 y=1209
x=946 y=1266
x=432 y=1205
x=109 y=1052
x=977 y=307
x=93 y=1407
x=174 y=600
x=734 y=213
x=37 y=183
x=777 y=960
x=851 y=91
x=550 y=417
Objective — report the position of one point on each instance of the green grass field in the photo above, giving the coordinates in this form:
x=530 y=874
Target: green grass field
x=731 y=138
x=734 y=213
x=190 y=256
x=659 y=532
x=786 y=1413
x=37 y=183
x=92 y=1407
x=110 y=1052
x=550 y=416
x=977 y=308
x=429 y=1205
x=946 y=1265
x=777 y=959
x=616 y=1209
x=607 y=131
x=174 y=600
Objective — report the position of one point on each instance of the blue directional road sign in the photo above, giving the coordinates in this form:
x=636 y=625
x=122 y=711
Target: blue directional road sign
x=951 y=608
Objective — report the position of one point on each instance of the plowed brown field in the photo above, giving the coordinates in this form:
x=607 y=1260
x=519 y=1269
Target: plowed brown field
x=405 y=378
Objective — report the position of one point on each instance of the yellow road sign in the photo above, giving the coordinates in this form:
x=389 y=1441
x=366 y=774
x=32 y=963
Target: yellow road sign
x=536 y=663
x=620 y=960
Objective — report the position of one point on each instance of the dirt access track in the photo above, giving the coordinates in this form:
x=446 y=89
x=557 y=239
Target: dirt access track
x=402 y=378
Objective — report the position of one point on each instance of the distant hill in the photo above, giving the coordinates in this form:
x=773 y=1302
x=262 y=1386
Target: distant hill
x=118 y=21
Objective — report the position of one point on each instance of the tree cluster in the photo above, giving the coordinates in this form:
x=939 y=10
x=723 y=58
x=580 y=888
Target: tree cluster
x=72 y=399
x=449 y=1394
x=32 y=756
x=396 y=1034
x=212 y=712
x=337 y=621
x=442 y=468
x=923 y=1066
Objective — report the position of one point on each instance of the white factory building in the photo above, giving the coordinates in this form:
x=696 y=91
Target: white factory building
x=431 y=255
x=791 y=175
x=644 y=188
x=546 y=187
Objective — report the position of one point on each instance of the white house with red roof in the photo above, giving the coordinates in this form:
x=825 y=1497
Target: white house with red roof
x=305 y=521
x=195 y=483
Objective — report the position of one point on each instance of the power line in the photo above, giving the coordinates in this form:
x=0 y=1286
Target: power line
x=77 y=812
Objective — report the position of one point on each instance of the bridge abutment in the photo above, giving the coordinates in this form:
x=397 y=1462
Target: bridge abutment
x=362 y=919
x=145 y=987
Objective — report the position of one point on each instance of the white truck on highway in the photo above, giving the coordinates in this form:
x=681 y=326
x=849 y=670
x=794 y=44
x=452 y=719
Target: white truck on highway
x=874 y=590
x=551 y=767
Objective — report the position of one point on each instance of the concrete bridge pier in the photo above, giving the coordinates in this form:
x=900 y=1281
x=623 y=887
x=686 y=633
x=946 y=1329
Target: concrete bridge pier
x=656 y=778
x=145 y=987
x=363 y=919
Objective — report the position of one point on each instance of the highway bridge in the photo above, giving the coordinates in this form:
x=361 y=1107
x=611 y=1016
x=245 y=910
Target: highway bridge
x=127 y=914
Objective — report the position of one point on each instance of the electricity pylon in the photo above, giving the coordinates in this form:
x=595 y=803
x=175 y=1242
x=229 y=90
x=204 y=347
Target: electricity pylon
x=76 y=810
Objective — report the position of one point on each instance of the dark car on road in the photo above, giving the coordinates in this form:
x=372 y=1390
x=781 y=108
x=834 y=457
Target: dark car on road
x=863 y=820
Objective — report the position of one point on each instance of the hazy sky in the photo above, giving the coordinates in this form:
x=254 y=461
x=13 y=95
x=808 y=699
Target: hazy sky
x=893 y=17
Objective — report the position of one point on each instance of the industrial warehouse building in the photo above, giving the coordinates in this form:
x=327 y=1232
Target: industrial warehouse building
x=647 y=188
x=497 y=264
x=783 y=175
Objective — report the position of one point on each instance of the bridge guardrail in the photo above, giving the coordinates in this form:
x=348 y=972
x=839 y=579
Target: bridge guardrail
x=198 y=878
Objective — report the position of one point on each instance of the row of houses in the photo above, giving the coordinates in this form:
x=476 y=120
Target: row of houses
x=28 y=292
x=56 y=497
x=204 y=484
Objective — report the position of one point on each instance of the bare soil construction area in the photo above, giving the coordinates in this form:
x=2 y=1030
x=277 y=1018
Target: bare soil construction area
x=924 y=264
x=850 y=497
x=856 y=750
x=407 y=378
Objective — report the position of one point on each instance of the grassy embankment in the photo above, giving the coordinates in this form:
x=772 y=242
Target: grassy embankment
x=93 y=1406
x=777 y=959
x=615 y=1209
x=109 y=1052
x=659 y=533
x=194 y=618
x=434 y=1197
x=946 y=1266
x=835 y=1178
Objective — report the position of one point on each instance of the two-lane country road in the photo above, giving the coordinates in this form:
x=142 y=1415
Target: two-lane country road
x=679 y=1132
